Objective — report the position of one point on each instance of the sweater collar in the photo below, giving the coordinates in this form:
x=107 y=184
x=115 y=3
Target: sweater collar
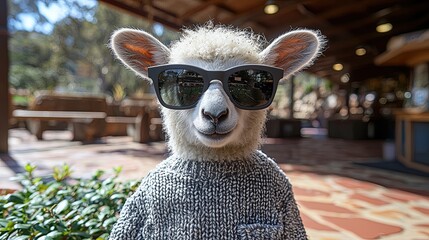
x=197 y=168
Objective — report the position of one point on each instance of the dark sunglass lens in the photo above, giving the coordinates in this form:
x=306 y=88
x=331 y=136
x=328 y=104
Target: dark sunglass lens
x=251 y=88
x=180 y=87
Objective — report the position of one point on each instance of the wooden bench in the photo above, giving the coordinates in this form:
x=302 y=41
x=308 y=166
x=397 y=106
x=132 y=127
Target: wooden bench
x=148 y=127
x=85 y=125
x=88 y=117
x=85 y=115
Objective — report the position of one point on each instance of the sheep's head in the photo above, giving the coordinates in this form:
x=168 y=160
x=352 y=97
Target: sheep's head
x=204 y=119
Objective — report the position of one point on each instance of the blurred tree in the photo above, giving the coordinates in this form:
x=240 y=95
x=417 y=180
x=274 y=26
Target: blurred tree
x=74 y=56
x=19 y=7
x=30 y=61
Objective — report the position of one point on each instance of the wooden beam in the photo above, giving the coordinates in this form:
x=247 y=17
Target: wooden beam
x=395 y=11
x=143 y=13
x=321 y=18
x=4 y=79
x=339 y=46
x=188 y=14
x=258 y=11
x=338 y=11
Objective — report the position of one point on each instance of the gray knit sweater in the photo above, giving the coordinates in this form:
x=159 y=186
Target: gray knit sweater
x=192 y=200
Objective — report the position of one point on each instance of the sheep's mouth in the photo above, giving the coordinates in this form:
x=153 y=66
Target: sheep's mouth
x=216 y=135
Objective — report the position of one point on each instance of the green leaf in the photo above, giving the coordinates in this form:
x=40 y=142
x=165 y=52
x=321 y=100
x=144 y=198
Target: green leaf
x=76 y=218
x=98 y=174
x=104 y=236
x=96 y=231
x=108 y=181
x=95 y=198
x=89 y=210
x=61 y=207
x=117 y=196
x=41 y=229
x=40 y=218
x=10 y=225
x=16 y=198
x=29 y=168
x=91 y=222
x=45 y=238
x=64 y=192
x=80 y=234
x=62 y=173
x=8 y=205
x=23 y=237
x=53 y=188
x=49 y=221
x=90 y=195
x=76 y=203
x=117 y=170
x=3 y=222
x=22 y=226
x=109 y=222
x=70 y=214
x=54 y=234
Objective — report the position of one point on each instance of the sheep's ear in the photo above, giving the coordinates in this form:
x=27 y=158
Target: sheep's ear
x=138 y=50
x=293 y=51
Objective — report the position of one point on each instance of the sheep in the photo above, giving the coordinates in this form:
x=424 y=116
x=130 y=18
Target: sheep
x=216 y=183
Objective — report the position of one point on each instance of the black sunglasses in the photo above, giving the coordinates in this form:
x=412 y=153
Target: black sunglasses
x=249 y=87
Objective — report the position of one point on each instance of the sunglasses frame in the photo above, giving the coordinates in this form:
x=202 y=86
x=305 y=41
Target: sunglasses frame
x=208 y=76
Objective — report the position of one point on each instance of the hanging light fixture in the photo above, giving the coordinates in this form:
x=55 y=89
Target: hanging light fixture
x=271 y=7
x=383 y=26
x=337 y=67
x=360 y=51
x=345 y=78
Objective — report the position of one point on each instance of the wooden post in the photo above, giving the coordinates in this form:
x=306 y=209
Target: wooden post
x=291 y=99
x=4 y=79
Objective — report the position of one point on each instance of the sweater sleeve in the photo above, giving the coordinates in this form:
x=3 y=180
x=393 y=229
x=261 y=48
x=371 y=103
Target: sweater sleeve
x=293 y=226
x=131 y=219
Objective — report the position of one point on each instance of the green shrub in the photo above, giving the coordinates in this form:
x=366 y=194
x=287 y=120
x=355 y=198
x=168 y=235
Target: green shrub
x=63 y=208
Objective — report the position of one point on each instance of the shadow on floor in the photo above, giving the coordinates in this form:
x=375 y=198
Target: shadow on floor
x=400 y=181
x=136 y=152
x=11 y=163
x=394 y=166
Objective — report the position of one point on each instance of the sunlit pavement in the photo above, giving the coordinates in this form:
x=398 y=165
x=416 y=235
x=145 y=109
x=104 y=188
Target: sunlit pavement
x=338 y=199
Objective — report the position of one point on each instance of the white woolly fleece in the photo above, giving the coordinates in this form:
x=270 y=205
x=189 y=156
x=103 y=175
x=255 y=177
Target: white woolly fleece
x=216 y=43
x=184 y=144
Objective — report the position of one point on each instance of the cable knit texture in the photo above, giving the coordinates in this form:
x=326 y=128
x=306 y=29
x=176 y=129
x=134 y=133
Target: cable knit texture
x=224 y=200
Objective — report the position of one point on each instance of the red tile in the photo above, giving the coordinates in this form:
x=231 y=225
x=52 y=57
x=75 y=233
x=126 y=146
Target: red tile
x=370 y=200
x=326 y=207
x=421 y=192
x=425 y=211
x=309 y=192
x=392 y=214
x=402 y=196
x=364 y=228
x=426 y=233
x=310 y=223
x=423 y=225
x=355 y=184
x=5 y=191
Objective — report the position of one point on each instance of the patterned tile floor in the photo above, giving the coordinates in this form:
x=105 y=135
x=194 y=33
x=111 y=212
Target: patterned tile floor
x=338 y=199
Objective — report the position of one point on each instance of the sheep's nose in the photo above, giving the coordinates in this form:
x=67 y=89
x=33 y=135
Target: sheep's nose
x=216 y=116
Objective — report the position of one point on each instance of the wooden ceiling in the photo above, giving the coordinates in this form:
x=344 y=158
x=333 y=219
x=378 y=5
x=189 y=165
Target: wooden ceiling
x=347 y=24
